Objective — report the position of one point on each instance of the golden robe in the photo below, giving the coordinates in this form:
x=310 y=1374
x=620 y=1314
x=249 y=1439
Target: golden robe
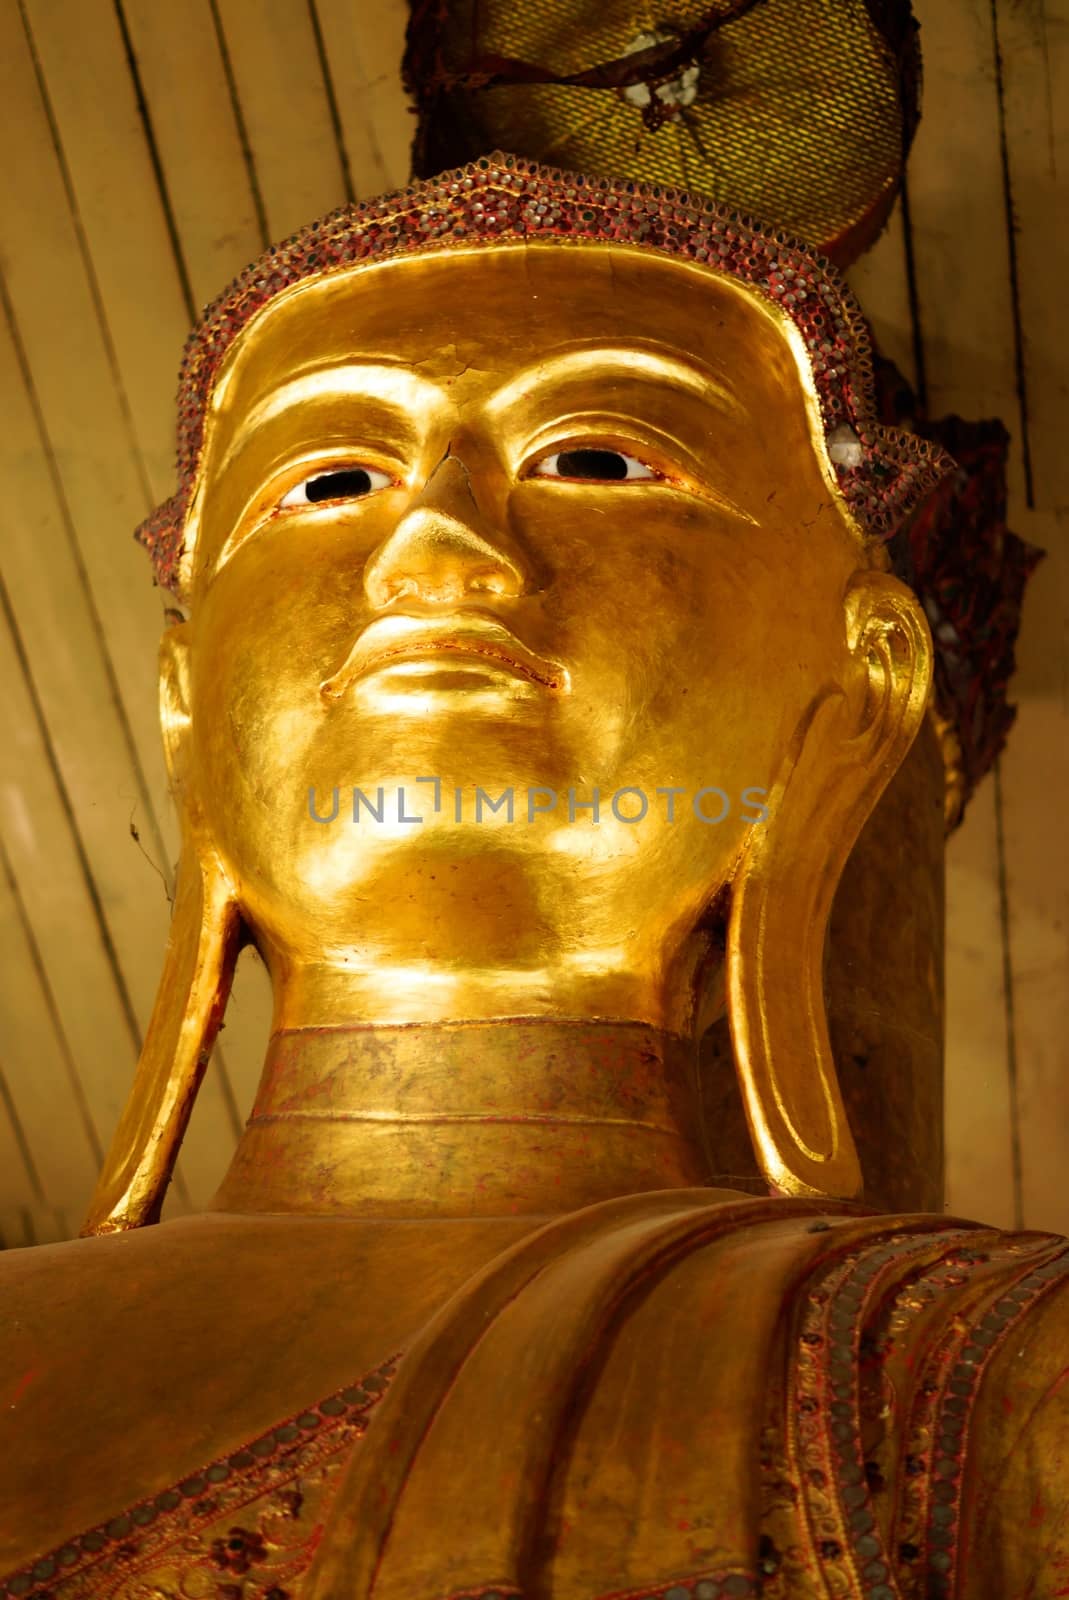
x=667 y=1397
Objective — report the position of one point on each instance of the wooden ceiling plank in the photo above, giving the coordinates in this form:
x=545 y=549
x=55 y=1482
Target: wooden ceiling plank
x=964 y=313
x=120 y=204
x=60 y=911
x=74 y=680
x=331 y=101
x=1033 y=58
x=1035 y=779
x=248 y=1029
x=16 y=1228
x=86 y=429
x=22 y=1227
x=62 y=903
x=80 y=705
x=271 y=45
x=93 y=102
x=188 y=65
x=364 y=43
x=20 y=1182
x=208 y=179
x=73 y=227
x=255 y=188
x=39 y=1053
x=54 y=1176
x=881 y=282
x=979 y=1132
x=960 y=236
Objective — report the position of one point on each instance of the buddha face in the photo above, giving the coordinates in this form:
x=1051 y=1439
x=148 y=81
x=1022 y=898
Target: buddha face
x=531 y=521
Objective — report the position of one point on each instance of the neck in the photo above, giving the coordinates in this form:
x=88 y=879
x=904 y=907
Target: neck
x=488 y=1118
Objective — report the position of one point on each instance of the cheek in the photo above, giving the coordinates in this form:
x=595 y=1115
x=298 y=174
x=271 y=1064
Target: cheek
x=258 y=666
x=282 y=608
x=690 y=600
x=632 y=570
x=736 y=657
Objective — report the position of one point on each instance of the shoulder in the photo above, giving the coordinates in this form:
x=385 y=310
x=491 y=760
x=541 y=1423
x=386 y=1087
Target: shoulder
x=129 y=1360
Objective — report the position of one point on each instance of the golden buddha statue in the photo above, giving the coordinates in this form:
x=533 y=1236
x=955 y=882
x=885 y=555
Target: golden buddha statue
x=541 y=669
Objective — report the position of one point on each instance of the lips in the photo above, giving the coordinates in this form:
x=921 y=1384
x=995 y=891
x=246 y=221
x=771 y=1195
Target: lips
x=399 y=638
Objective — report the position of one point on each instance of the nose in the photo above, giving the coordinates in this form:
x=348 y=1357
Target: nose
x=442 y=549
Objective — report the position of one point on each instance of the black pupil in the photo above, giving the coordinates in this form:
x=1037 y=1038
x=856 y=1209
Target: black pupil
x=592 y=464
x=339 y=485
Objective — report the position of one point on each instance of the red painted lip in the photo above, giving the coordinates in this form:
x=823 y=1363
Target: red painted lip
x=399 y=637
x=517 y=659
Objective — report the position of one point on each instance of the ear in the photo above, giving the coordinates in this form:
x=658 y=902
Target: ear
x=197 y=972
x=888 y=636
x=852 y=739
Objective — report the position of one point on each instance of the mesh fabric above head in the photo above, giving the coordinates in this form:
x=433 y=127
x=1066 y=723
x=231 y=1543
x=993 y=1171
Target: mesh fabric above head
x=801 y=111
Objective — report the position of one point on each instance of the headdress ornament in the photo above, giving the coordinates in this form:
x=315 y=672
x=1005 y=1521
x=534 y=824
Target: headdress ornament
x=883 y=474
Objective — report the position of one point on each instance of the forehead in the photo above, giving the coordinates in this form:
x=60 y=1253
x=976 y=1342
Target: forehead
x=468 y=318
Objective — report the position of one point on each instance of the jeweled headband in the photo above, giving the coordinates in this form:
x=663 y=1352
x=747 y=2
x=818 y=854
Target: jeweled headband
x=883 y=474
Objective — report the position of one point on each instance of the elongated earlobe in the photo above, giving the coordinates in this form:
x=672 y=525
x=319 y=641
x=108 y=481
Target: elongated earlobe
x=194 y=986
x=851 y=742
x=197 y=972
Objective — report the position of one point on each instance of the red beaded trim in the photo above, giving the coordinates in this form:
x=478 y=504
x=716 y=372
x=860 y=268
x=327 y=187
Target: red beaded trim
x=825 y=1422
x=853 y=1315
x=488 y=1591
x=243 y=1476
x=947 y=1398
x=724 y=1584
x=503 y=198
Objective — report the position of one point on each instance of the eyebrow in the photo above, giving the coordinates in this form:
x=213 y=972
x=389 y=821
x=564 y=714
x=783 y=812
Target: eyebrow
x=397 y=386
x=394 y=385
x=631 y=361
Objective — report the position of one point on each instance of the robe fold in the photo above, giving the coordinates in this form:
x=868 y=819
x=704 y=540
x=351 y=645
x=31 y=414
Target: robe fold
x=665 y=1396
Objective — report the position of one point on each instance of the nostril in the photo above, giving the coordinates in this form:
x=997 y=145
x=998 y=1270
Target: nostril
x=439 y=557
x=489 y=583
x=397 y=588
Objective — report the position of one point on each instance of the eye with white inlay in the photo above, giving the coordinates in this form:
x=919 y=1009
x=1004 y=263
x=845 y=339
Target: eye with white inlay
x=592 y=464
x=345 y=483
